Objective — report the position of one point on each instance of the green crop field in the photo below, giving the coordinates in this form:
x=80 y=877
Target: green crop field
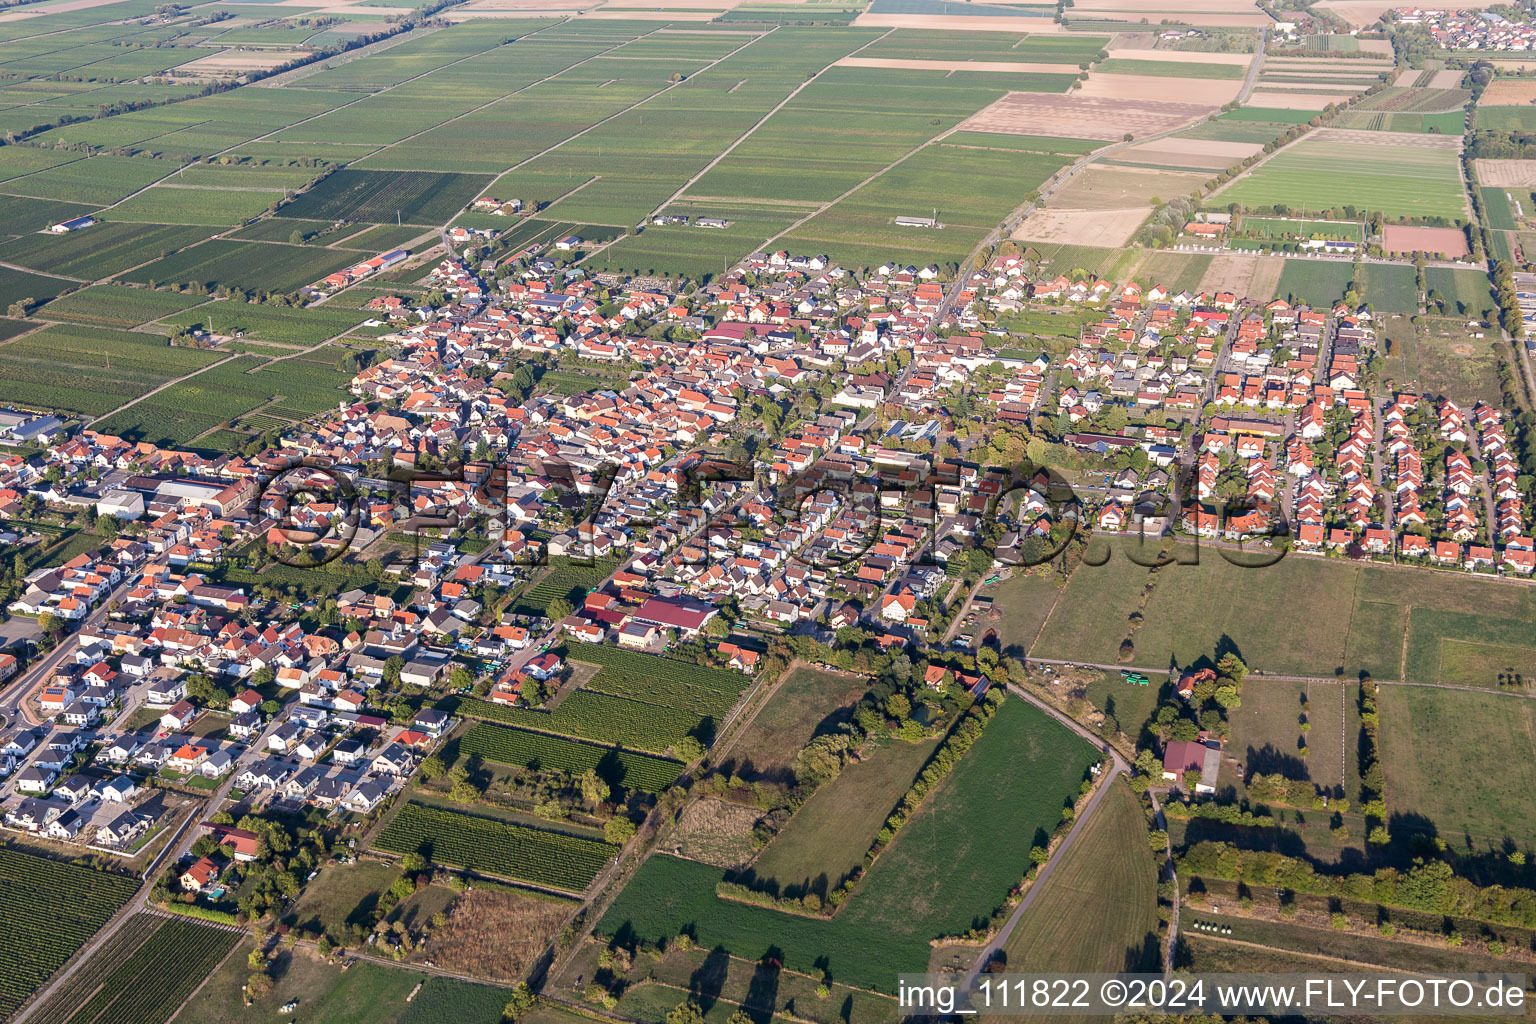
x=556 y=859
x=416 y=197
x=98 y=251
x=110 y=305
x=1464 y=762
x=89 y=371
x=1169 y=69
x=949 y=867
x=20 y=286
x=252 y=266
x=659 y=680
x=40 y=931
x=1098 y=911
x=619 y=768
x=214 y=207
x=291 y=325
x=101 y=179
x=1316 y=282
x=601 y=718
x=21 y=214
x=1398 y=181
x=153 y=981
x=1516 y=119
x=86 y=979
x=286 y=388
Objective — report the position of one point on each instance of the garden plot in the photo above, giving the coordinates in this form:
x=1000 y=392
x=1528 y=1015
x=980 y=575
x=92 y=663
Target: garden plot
x=1082 y=116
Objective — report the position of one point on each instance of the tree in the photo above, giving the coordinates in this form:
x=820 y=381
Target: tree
x=460 y=678
x=392 y=666
x=1232 y=667
x=593 y=789
x=558 y=609
x=296 y=238
x=687 y=1012
x=106 y=526
x=431 y=767
x=48 y=623
x=618 y=830
x=1158 y=840
x=413 y=863
x=258 y=986
x=689 y=748
x=521 y=1002
x=741 y=1016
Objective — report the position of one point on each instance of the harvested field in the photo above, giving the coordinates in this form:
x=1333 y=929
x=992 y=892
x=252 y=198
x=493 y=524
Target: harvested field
x=1381 y=46
x=715 y=832
x=1211 y=91
x=1108 y=228
x=1449 y=242
x=1251 y=277
x=1409 y=140
x=1296 y=100
x=237 y=61
x=1450 y=79
x=1119 y=188
x=497 y=933
x=1508 y=92
x=1506 y=173
x=1080 y=116
x=1177 y=152
x=1231 y=13
x=998 y=66
x=1122 y=49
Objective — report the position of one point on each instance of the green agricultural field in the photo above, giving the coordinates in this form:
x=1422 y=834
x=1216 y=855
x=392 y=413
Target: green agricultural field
x=619 y=768
x=1498 y=209
x=415 y=197
x=1098 y=911
x=600 y=718
x=38 y=930
x=101 y=179
x=1461 y=761
x=660 y=680
x=1316 y=282
x=1398 y=181
x=99 y=251
x=110 y=305
x=252 y=266
x=20 y=214
x=948 y=868
x=1028 y=143
x=172 y=204
x=286 y=388
x=1174 y=270
x=291 y=325
x=89 y=371
x=1509 y=119
x=20 y=286
x=828 y=837
x=556 y=859
x=1169 y=69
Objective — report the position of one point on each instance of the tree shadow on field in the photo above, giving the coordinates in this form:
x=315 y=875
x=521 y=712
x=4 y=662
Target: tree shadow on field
x=763 y=991
x=1271 y=760
x=709 y=978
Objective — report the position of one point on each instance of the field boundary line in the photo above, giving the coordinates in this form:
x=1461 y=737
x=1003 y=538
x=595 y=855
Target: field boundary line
x=760 y=122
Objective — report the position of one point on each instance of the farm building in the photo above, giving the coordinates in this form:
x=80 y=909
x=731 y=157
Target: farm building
x=1190 y=755
x=77 y=224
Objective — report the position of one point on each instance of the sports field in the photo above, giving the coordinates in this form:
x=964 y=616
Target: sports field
x=1344 y=169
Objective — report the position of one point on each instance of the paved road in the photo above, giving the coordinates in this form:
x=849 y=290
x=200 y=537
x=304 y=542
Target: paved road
x=1120 y=767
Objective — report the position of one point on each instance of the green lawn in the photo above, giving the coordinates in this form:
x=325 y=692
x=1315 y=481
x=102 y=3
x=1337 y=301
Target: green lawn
x=1317 y=282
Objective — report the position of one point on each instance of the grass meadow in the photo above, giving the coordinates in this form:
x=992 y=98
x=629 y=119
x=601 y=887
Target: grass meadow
x=948 y=868
x=1398 y=181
